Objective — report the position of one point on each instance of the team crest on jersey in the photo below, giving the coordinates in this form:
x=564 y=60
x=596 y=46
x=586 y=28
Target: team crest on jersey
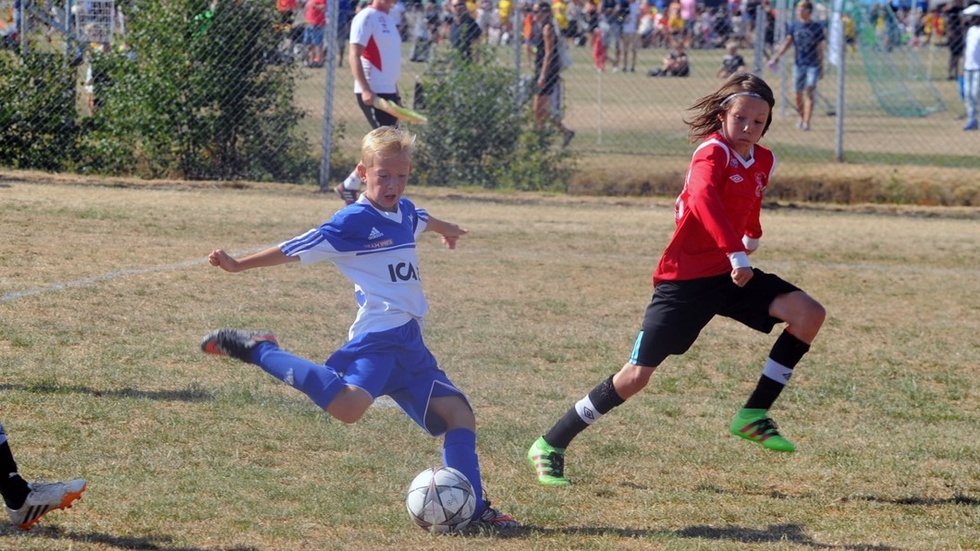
x=760 y=183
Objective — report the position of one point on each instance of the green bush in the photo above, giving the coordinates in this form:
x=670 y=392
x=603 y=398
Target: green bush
x=196 y=97
x=481 y=133
x=38 y=119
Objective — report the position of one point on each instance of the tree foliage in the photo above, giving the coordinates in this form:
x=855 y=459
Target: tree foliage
x=465 y=106
x=38 y=122
x=194 y=96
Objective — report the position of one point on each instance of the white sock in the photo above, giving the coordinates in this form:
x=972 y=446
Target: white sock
x=586 y=411
x=353 y=182
x=777 y=371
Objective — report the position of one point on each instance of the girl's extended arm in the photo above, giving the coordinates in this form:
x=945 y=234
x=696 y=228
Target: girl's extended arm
x=272 y=256
x=449 y=232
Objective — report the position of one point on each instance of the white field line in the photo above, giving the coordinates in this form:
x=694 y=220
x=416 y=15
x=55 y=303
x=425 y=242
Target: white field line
x=110 y=276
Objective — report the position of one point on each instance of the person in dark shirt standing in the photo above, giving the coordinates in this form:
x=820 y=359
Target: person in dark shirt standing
x=807 y=38
x=464 y=32
x=545 y=40
x=955 y=37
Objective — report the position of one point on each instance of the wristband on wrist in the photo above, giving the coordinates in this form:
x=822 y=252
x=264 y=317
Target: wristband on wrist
x=739 y=260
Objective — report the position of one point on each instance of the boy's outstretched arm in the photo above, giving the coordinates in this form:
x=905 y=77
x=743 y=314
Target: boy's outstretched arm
x=449 y=232
x=272 y=256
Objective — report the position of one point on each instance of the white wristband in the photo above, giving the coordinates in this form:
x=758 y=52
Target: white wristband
x=750 y=243
x=739 y=260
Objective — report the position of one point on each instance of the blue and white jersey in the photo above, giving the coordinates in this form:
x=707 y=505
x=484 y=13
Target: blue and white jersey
x=375 y=250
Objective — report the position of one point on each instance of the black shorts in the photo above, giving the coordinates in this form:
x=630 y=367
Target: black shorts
x=377 y=117
x=680 y=309
x=551 y=80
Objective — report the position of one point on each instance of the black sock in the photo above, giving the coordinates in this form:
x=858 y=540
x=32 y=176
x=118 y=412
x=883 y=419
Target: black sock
x=785 y=354
x=765 y=394
x=13 y=488
x=586 y=411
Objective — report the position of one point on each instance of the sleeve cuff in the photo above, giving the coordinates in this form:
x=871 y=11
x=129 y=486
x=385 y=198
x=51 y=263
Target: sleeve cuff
x=739 y=260
x=750 y=243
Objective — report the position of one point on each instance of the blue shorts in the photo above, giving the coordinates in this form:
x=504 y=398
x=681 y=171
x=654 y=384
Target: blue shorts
x=313 y=35
x=805 y=76
x=396 y=363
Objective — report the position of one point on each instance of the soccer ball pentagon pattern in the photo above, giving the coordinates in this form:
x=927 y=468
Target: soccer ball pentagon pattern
x=441 y=500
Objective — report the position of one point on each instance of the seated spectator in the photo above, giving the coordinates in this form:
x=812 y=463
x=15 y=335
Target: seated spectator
x=676 y=64
x=732 y=62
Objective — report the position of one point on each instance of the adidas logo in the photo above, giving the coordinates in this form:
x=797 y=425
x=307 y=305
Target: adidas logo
x=375 y=234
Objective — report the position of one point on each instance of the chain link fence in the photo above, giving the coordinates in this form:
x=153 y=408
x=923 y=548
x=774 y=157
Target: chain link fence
x=230 y=90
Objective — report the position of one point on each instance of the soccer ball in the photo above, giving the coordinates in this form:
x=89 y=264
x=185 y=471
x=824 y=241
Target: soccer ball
x=441 y=500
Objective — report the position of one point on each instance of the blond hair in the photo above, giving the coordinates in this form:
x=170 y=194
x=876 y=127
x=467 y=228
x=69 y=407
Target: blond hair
x=386 y=141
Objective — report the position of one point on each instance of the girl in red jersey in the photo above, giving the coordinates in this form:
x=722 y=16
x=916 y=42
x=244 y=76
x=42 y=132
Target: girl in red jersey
x=705 y=272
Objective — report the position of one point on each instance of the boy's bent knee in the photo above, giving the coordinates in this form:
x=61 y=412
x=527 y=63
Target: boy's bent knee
x=454 y=411
x=349 y=405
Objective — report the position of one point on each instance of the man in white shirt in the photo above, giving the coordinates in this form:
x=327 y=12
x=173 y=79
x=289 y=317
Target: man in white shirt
x=376 y=63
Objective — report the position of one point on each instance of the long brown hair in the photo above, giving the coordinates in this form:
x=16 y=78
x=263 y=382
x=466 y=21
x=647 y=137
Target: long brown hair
x=707 y=109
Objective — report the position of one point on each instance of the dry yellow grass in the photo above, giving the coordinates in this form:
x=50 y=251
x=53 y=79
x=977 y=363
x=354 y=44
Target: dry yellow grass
x=105 y=293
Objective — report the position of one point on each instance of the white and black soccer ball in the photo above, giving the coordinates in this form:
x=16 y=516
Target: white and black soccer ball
x=441 y=500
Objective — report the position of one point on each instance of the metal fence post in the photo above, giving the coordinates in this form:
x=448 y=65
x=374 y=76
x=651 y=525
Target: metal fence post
x=760 y=39
x=22 y=14
x=329 y=54
x=839 y=44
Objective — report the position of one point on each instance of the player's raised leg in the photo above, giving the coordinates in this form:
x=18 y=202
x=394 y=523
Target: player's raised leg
x=319 y=382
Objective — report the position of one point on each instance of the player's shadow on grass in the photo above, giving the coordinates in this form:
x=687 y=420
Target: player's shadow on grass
x=774 y=533
x=958 y=499
x=185 y=395
x=137 y=543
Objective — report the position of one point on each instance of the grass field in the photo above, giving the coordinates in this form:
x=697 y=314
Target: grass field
x=105 y=293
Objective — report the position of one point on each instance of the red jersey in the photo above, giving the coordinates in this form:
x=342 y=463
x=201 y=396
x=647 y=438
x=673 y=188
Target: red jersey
x=720 y=203
x=316 y=13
